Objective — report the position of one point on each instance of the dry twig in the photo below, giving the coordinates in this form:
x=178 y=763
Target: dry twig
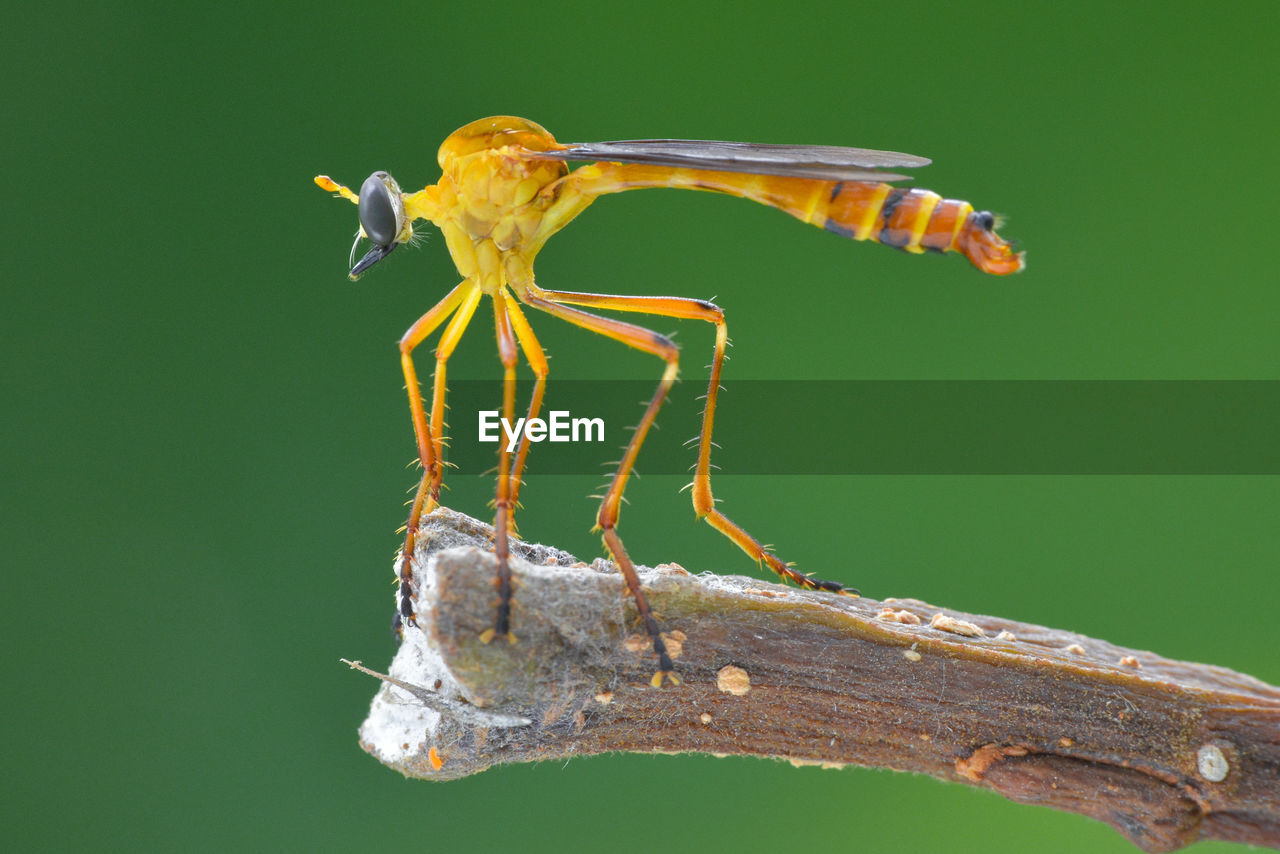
x=1167 y=752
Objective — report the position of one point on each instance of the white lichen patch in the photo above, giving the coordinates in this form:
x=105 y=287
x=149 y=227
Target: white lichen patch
x=398 y=722
x=1212 y=763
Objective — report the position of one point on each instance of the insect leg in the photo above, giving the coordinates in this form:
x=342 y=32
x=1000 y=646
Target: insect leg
x=538 y=362
x=502 y=503
x=607 y=519
x=463 y=299
x=703 y=500
x=428 y=451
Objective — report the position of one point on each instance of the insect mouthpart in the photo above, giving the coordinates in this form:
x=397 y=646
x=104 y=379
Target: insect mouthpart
x=373 y=256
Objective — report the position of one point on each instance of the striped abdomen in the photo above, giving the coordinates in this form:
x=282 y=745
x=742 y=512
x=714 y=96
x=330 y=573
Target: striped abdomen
x=912 y=220
x=909 y=219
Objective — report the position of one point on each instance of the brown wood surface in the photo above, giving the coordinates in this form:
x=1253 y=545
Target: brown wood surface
x=1167 y=752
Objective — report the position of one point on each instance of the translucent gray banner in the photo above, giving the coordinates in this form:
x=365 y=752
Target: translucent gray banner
x=891 y=427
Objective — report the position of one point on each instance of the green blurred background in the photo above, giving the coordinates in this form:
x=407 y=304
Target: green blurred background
x=206 y=439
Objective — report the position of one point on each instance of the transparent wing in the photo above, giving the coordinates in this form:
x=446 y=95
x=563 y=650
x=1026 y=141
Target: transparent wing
x=826 y=162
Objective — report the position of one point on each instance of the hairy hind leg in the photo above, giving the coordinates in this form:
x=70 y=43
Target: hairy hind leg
x=502 y=503
x=704 y=503
x=610 y=507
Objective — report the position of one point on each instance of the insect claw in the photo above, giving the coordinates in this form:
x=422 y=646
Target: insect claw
x=656 y=680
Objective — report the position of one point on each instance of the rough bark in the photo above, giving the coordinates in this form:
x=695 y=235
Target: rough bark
x=1167 y=752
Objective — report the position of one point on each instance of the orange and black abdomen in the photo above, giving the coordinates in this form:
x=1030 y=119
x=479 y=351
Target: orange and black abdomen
x=894 y=216
x=915 y=221
x=912 y=220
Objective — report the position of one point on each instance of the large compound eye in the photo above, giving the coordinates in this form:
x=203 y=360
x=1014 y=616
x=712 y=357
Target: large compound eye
x=382 y=219
x=379 y=211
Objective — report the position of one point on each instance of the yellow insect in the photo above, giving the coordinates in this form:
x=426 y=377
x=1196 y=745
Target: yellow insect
x=506 y=188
